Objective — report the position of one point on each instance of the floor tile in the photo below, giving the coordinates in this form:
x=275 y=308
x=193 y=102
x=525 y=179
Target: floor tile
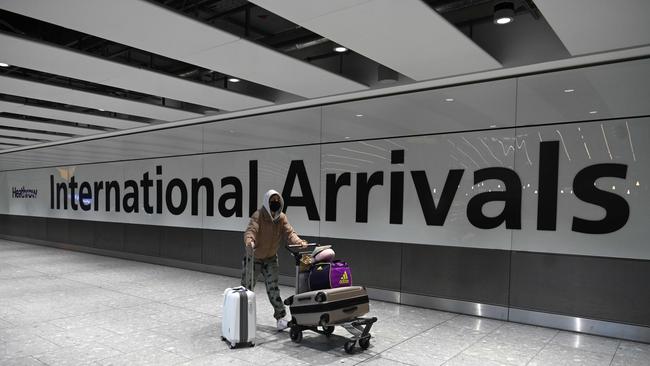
x=587 y=342
x=146 y=356
x=554 y=354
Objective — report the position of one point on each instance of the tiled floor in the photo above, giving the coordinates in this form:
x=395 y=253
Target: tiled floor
x=60 y=307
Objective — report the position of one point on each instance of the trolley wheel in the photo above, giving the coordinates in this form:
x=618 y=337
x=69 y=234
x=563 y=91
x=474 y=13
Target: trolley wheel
x=364 y=343
x=328 y=330
x=349 y=346
x=295 y=334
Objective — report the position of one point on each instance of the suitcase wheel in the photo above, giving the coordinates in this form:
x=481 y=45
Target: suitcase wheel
x=328 y=330
x=295 y=334
x=349 y=346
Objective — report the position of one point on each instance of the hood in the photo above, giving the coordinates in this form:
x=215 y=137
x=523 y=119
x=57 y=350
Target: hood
x=265 y=203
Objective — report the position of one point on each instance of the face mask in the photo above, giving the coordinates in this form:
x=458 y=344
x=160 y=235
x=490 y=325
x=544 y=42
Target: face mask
x=274 y=206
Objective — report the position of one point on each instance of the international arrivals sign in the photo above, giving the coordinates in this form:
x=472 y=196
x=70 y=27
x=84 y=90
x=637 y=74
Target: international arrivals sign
x=154 y=195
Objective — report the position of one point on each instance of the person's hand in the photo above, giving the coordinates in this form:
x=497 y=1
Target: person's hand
x=304 y=244
x=250 y=247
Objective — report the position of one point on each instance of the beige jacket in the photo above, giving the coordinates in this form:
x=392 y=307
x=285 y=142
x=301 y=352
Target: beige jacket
x=267 y=232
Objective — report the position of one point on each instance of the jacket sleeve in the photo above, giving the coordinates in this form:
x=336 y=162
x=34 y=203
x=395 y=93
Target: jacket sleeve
x=290 y=234
x=251 y=230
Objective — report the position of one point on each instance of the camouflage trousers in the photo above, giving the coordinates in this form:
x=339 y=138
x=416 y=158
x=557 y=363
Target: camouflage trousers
x=271 y=272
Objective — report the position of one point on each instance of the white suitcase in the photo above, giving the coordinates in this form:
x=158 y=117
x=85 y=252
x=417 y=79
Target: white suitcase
x=238 y=318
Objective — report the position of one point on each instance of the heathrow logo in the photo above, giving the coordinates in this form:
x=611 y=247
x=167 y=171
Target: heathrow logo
x=23 y=192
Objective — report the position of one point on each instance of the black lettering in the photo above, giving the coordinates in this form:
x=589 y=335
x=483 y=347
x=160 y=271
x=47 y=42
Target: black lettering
x=134 y=205
x=112 y=186
x=548 y=177
x=146 y=183
x=436 y=215
x=237 y=196
x=297 y=170
x=252 y=188
x=396 y=189
x=209 y=192
x=61 y=187
x=51 y=192
x=73 y=197
x=159 y=190
x=333 y=184
x=99 y=186
x=617 y=210
x=364 y=184
x=176 y=210
x=85 y=193
x=511 y=197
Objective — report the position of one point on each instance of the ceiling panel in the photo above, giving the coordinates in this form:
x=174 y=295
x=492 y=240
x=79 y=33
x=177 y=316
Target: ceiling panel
x=588 y=26
x=8 y=140
x=57 y=114
x=255 y=62
x=182 y=38
x=407 y=36
x=30 y=135
x=35 y=90
x=61 y=61
x=44 y=126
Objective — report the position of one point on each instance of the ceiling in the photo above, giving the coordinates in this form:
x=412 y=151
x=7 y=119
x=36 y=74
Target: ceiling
x=85 y=67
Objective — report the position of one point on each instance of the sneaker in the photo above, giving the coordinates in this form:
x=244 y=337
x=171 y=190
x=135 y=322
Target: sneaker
x=282 y=324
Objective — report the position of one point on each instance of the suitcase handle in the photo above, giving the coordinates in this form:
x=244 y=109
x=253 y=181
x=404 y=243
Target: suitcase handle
x=251 y=263
x=350 y=309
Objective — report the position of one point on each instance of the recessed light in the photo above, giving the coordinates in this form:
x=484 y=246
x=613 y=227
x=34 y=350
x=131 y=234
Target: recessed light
x=99 y=109
x=347 y=137
x=340 y=49
x=234 y=80
x=359 y=115
x=569 y=90
x=493 y=126
x=637 y=183
x=593 y=112
x=449 y=99
x=504 y=13
x=2 y=64
x=613 y=188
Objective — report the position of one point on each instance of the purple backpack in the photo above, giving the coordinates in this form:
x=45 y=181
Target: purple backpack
x=330 y=275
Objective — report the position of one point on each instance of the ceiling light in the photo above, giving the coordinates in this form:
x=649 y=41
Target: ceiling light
x=234 y=80
x=2 y=64
x=340 y=49
x=386 y=75
x=449 y=99
x=359 y=115
x=593 y=112
x=504 y=13
x=99 y=109
x=569 y=90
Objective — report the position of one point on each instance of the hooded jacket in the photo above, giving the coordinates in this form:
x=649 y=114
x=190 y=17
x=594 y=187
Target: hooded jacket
x=267 y=230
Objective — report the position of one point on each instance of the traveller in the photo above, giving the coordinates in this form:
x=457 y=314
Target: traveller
x=267 y=226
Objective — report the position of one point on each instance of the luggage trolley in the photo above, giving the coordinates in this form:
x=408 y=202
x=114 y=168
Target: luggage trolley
x=358 y=326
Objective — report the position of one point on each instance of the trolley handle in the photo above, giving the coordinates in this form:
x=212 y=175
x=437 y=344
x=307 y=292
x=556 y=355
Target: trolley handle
x=297 y=253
